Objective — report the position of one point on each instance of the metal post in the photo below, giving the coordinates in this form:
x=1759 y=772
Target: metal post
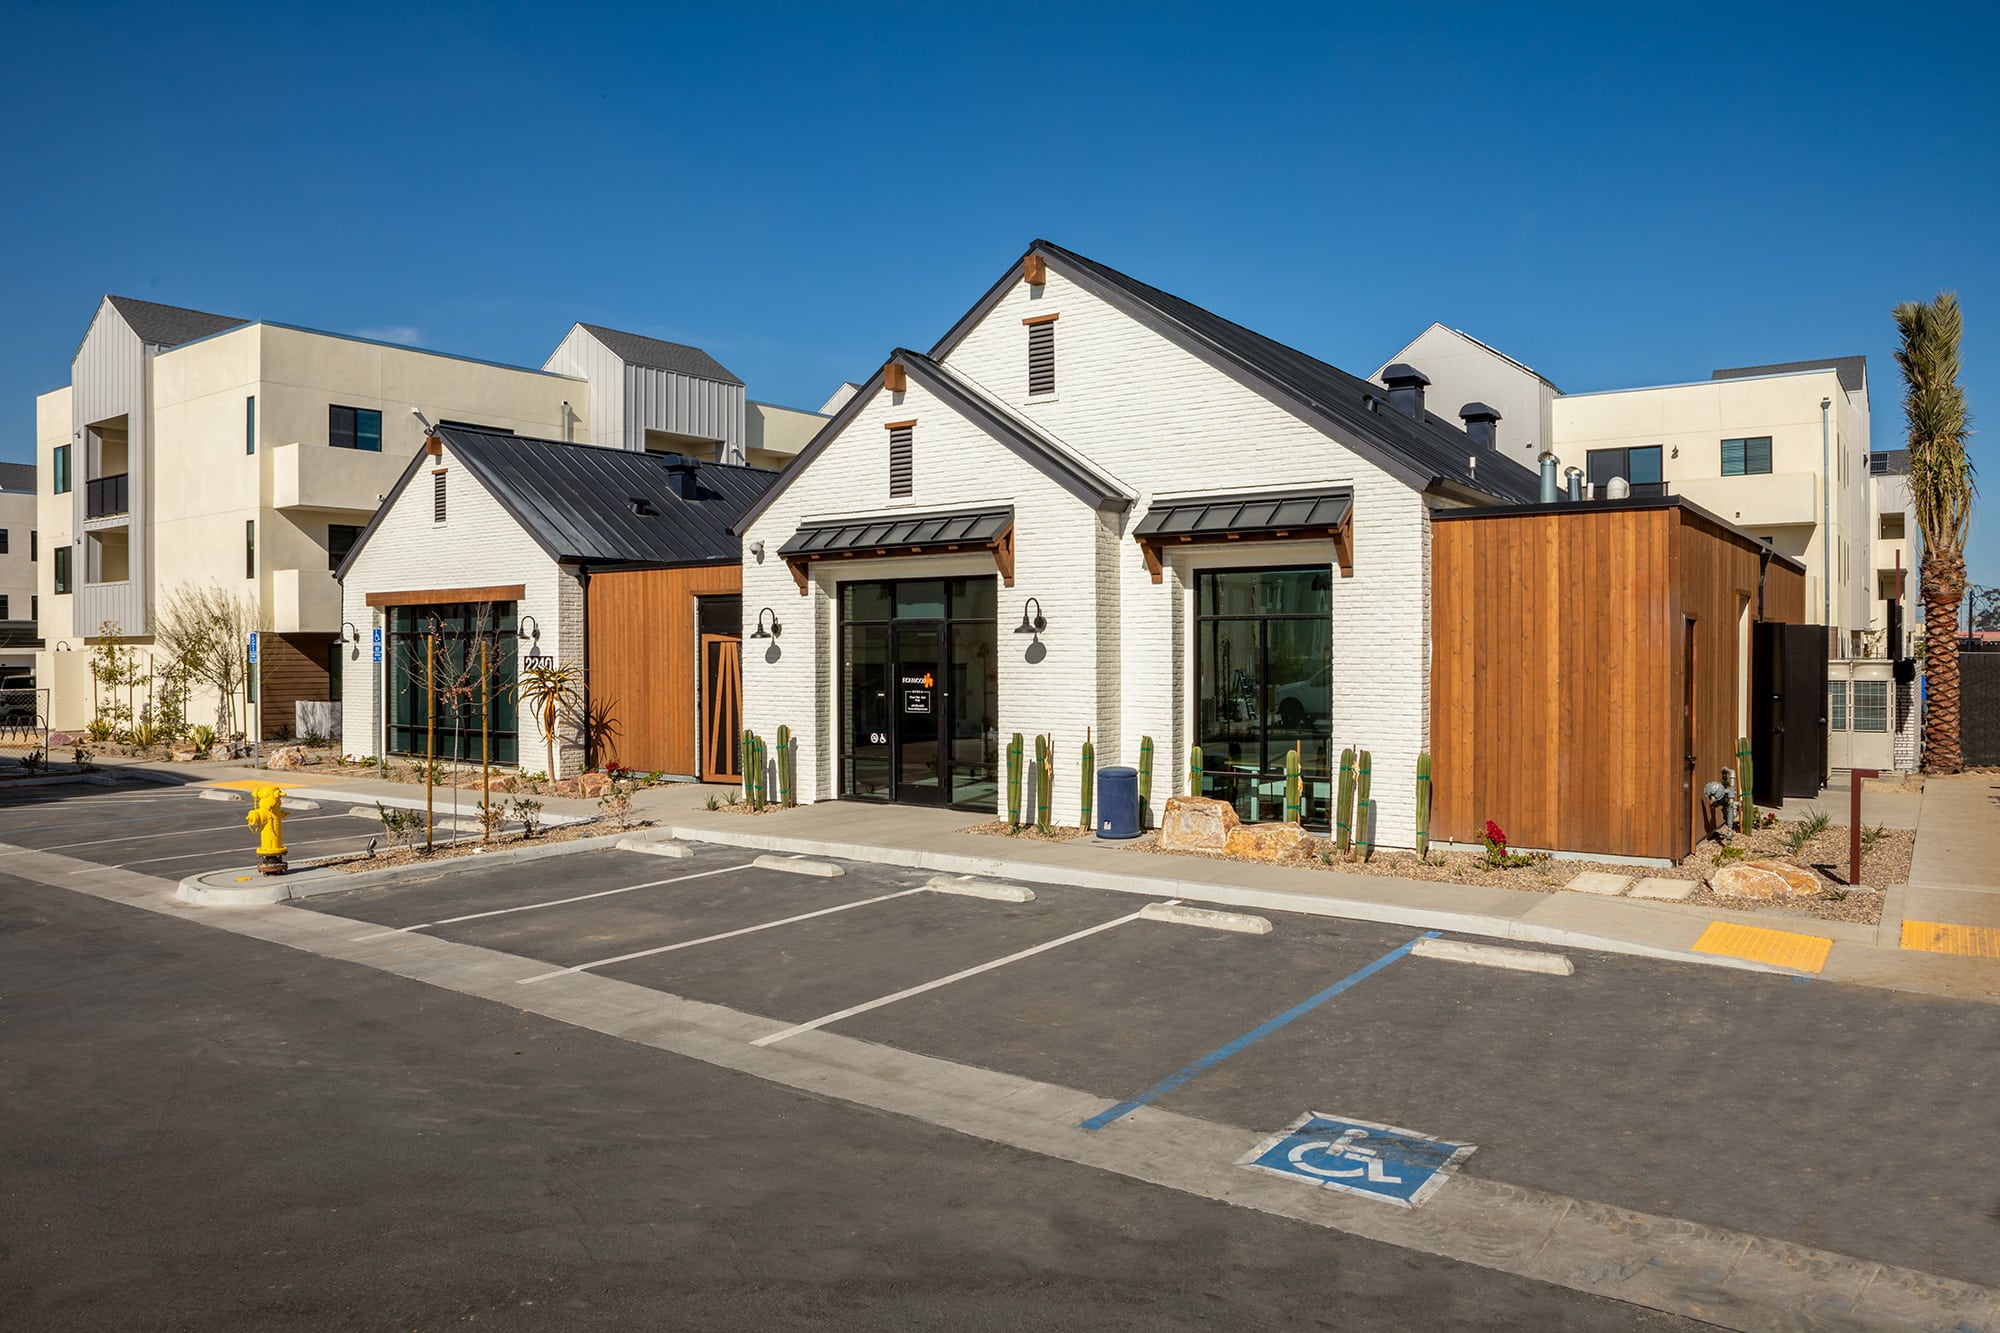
x=485 y=753
x=430 y=738
x=1855 y=777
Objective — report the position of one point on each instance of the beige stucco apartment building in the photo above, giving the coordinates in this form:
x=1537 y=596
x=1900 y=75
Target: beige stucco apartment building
x=191 y=449
x=20 y=544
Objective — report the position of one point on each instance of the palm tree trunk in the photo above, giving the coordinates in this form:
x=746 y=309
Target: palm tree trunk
x=1943 y=587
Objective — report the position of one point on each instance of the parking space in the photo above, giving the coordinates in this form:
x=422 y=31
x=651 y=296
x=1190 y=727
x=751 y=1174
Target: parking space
x=170 y=832
x=1614 y=1084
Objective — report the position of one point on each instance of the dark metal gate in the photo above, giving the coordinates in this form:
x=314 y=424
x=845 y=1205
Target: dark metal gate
x=1787 y=711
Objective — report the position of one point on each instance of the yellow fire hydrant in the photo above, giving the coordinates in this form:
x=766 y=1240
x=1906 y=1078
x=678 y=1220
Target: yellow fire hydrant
x=267 y=816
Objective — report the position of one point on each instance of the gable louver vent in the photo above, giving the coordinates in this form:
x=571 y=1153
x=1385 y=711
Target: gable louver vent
x=1042 y=356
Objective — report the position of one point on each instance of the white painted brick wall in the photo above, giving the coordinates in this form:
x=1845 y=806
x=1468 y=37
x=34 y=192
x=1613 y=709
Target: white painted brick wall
x=479 y=544
x=1161 y=421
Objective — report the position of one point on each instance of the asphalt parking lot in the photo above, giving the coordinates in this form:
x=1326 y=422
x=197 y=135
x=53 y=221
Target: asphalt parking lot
x=1624 y=1083
x=171 y=832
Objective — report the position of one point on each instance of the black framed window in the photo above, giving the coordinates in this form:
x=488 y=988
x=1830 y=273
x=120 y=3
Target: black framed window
x=249 y=548
x=454 y=695
x=340 y=539
x=1263 y=675
x=1639 y=466
x=250 y=424
x=354 y=428
x=64 y=556
x=1749 y=457
x=59 y=470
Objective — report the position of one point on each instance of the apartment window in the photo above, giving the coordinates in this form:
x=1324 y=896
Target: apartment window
x=250 y=424
x=1746 y=458
x=63 y=556
x=60 y=467
x=1042 y=354
x=902 y=465
x=249 y=548
x=1892 y=527
x=34 y=544
x=1836 y=705
x=340 y=539
x=437 y=496
x=4 y=607
x=1640 y=467
x=3 y=540
x=35 y=608
x=1871 y=705
x=354 y=428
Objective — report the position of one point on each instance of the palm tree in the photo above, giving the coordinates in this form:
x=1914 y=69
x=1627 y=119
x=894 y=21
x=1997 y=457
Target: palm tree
x=1941 y=487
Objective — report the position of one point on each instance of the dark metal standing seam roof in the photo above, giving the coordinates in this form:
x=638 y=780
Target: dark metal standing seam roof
x=656 y=354
x=169 y=325
x=1430 y=447
x=971 y=527
x=1852 y=370
x=1246 y=515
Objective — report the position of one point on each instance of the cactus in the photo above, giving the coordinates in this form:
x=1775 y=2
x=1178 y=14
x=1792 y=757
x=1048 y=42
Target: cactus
x=748 y=763
x=1088 y=773
x=1424 y=806
x=785 y=746
x=1045 y=756
x=1014 y=755
x=1361 y=767
x=755 y=772
x=1343 y=827
x=1293 y=786
x=1364 y=841
x=1746 y=806
x=1145 y=781
x=1194 y=772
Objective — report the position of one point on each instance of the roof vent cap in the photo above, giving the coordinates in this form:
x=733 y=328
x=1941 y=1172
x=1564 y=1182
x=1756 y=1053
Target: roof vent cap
x=1406 y=388
x=640 y=506
x=682 y=476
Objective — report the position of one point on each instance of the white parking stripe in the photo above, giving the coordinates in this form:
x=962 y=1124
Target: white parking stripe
x=554 y=902
x=823 y=1020
x=711 y=939
x=147 y=837
x=190 y=856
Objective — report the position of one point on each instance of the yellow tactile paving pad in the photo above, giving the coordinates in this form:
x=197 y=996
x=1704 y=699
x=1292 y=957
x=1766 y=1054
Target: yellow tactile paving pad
x=1756 y=944
x=1941 y=937
x=252 y=784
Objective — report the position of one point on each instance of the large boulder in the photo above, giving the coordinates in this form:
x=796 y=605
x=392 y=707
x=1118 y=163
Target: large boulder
x=1196 y=824
x=1265 y=842
x=593 y=785
x=1763 y=879
x=292 y=756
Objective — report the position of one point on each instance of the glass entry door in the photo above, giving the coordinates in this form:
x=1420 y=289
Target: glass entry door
x=1264 y=649
x=919 y=701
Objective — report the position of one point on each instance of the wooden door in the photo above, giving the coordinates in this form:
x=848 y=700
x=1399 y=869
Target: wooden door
x=721 y=708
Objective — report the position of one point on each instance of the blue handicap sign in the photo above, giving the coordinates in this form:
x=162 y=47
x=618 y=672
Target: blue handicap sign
x=253 y=645
x=1398 y=1166
x=378 y=643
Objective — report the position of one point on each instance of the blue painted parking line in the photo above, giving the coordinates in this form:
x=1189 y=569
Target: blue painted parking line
x=1256 y=1034
x=1381 y=1162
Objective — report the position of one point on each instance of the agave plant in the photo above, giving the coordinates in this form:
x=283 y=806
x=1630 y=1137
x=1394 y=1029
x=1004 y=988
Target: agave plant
x=550 y=693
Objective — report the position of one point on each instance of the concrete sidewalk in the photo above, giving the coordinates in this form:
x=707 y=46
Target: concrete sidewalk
x=935 y=839
x=1955 y=874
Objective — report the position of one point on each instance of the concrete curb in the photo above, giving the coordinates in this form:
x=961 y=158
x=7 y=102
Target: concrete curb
x=795 y=866
x=1274 y=900
x=1181 y=914
x=1489 y=955
x=966 y=887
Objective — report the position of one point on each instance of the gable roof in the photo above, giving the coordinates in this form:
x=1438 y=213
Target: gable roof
x=1462 y=335
x=17 y=476
x=655 y=354
x=1424 y=452
x=576 y=500
x=169 y=325
x=1853 y=371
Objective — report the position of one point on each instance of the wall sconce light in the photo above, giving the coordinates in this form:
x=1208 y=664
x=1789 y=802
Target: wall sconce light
x=757 y=549
x=1032 y=623
x=527 y=627
x=62 y=646
x=1676 y=453
x=349 y=634
x=775 y=630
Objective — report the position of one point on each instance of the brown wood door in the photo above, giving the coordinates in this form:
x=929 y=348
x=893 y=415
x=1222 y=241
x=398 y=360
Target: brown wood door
x=721 y=708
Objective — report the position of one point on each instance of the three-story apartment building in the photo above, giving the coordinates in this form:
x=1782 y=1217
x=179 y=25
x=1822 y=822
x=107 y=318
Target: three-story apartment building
x=20 y=547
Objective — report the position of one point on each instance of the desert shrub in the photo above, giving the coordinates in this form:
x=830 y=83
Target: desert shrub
x=528 y=811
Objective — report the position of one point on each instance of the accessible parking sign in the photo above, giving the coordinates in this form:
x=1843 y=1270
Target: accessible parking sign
x=1398 y=1166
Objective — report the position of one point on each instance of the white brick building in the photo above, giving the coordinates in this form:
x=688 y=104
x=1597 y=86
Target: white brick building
x=1087 y=447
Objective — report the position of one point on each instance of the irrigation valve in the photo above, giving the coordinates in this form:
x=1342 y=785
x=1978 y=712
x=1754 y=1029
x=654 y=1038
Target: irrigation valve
x=267 y=816
x=1724 y=794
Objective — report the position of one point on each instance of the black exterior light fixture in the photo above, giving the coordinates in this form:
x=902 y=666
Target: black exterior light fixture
x=527 y=627
x=776 y=629
x=1032 y=622
x=349 y=634
x=63 y=646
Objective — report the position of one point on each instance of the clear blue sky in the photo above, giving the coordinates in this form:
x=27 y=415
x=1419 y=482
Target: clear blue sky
x=1614 y=194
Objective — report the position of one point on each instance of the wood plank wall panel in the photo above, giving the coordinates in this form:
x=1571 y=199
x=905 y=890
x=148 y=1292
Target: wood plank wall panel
x=294 y=668
x=643 y=658
x=1557 y=683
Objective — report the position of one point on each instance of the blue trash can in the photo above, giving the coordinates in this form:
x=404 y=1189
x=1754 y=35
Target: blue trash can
x=1117 y=802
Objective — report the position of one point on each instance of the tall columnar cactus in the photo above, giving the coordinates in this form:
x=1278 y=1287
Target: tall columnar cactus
x=1362 y=766
x=1145 y=781
x=785 y=747
x=1423 y=806
x=1746 y=804
x=1292 y=785
x=1014 y=756
x=1364 y=841
x=753 y=769
x=1194 y=771
x=1045 y=780
x=1343 y=810
x=1089 y=773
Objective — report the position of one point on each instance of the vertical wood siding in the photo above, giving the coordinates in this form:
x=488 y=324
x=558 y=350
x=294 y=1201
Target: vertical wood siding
x=293 y=669
x=1559 y=679
x=643 y=660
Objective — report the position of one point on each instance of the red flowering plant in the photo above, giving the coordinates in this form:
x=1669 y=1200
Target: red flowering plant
x=1496 y=849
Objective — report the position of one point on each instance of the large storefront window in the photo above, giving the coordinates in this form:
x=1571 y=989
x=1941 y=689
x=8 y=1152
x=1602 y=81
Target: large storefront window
x=455 y=695
x=919 y=692
x=1263 y=650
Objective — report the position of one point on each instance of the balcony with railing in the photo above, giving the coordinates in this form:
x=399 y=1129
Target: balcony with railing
x=107 y=497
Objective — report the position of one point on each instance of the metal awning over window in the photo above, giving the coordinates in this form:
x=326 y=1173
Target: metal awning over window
x=988 y=529
x=1322 y=514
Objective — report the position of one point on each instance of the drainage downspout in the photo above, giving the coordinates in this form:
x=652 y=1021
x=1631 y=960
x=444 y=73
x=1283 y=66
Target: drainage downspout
x=1826 y=513
x=583 y=586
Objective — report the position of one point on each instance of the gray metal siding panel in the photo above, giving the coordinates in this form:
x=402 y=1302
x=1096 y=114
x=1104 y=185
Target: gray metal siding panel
x=108 y=378
x=584 y=356
x=684 y=405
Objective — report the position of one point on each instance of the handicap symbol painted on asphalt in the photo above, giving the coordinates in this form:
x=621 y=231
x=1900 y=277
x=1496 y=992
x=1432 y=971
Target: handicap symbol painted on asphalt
x=1398 y=1166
